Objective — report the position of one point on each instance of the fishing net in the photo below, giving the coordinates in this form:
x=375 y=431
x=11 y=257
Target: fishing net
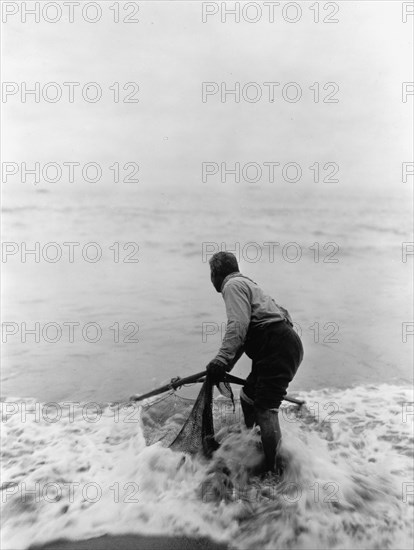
x=186 y=424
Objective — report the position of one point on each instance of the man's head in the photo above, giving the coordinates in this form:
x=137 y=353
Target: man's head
x=221 y=265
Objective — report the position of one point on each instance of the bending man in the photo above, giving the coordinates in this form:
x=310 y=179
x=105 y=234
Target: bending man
x=263 y=330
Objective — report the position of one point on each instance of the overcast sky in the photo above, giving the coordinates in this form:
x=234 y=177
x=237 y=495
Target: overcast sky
x=170 y=52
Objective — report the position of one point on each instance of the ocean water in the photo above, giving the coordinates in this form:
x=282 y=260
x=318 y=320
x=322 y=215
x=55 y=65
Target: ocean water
x=348 y=483
x=349 y=299
x=75 y=466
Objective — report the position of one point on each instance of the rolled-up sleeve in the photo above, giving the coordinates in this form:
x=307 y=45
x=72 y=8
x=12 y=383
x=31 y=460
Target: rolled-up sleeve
x=238 y=308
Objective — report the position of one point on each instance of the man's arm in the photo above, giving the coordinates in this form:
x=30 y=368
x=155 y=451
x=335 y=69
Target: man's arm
x=238 y=309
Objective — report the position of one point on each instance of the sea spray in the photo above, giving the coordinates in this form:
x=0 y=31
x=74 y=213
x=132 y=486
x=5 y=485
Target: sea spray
x=348 y=482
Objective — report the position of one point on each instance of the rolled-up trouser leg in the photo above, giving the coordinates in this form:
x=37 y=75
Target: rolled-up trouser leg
x=248 y=409
x=270 y=432
x=276 y=352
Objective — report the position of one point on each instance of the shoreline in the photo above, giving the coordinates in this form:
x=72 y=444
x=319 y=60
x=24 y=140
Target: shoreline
x=133 y=542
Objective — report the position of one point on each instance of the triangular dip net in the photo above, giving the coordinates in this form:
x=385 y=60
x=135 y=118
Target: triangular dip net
x=186 y=424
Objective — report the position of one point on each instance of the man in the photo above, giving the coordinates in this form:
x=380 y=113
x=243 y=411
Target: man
x=264 y=331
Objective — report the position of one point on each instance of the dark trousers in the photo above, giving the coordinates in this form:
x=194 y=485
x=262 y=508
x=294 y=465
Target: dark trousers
x=276 y=352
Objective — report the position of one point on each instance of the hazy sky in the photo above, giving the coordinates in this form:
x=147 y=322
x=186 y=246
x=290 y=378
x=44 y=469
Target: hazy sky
x=170 y=52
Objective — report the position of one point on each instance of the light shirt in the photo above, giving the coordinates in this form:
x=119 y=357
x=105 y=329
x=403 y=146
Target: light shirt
x=247 y=306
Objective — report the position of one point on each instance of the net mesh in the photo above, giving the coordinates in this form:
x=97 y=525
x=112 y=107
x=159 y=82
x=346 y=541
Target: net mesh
x=185 y=424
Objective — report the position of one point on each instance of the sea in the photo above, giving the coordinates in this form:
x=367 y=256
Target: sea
x=75 y=461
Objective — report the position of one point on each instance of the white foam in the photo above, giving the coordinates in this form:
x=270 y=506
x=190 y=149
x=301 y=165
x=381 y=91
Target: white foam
x=348 y=483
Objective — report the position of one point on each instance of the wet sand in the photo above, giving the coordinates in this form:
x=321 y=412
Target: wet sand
x=134 y=542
